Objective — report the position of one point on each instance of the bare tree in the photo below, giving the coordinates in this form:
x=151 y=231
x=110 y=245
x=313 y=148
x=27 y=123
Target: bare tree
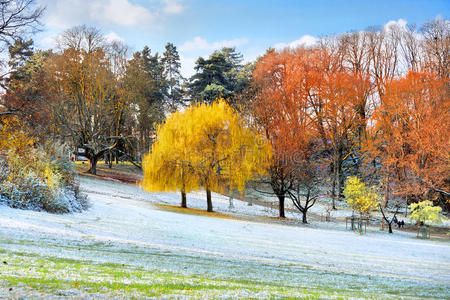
x=82 y=37
x=386 y=218
x=436 y=45
x=410 y=48
x=356 y=58
x=88 y=97
x=18 y=17
x=305 y=189
x=383 y=53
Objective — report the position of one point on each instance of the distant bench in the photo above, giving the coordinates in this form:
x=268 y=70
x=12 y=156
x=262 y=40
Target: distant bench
x=357 y=223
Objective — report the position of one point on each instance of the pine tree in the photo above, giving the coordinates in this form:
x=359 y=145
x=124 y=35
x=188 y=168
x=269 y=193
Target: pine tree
x=221 y=75
x=172 y=65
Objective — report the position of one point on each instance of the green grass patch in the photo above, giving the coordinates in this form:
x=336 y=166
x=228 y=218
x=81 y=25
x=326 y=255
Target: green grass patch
x=28 y=274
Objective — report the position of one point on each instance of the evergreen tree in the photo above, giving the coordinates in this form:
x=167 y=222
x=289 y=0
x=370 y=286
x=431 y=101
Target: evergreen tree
x=146 y=86
x=172 y=65
x=25 y=91
x=221 y=75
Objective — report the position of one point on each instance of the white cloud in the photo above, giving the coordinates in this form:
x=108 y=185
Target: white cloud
x=113 y=37
x=172 y=7
x=120 y=12
x=187 y=66
x=199 y=43
x=47 y=42
x=67 y=13
x=306 y=40
x=400 y=22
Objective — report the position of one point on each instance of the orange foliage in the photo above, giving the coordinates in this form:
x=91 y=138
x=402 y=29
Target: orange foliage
x=411 y=135
x=304 y=96
x=281 y=106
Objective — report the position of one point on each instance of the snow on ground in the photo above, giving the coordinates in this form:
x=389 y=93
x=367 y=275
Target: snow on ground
x=123 y=226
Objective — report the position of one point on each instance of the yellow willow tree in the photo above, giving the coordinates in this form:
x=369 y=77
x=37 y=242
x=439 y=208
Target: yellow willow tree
x=205 y=146
x=167 y=167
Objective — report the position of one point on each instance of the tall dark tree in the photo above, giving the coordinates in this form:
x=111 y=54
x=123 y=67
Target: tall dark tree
x=172 y=65
x=146 y=85
x=221 y=75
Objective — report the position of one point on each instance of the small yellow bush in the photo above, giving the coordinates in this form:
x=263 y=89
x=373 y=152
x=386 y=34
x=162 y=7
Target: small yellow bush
x=360 y=197
x=424 y=212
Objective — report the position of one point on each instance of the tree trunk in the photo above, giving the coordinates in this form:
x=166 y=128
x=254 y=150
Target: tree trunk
x=390 y=227
x=339 y=174
x=333 y=189
x=110 y=160
x=281 y=205
x=208 y=200
x=93 y=165
x=304 y=217
x=333 y=200
x=406 y=208
x=341 y=182
x=183 y=199
x=386 y=193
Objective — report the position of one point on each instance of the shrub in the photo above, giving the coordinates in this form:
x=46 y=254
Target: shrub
x=360 y=197
x=44 y=184
x=425 y=213
x=37 y=178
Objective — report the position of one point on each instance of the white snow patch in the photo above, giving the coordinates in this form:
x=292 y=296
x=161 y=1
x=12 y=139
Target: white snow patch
x=124 y=226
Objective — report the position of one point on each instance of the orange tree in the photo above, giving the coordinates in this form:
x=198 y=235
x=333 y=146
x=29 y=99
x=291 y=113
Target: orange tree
x=306 y=101
x=282 y=111
x=85 y=93
x=411 y=136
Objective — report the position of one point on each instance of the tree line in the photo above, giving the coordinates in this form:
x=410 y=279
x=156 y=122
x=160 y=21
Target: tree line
x=88 y=92
x=373 y=103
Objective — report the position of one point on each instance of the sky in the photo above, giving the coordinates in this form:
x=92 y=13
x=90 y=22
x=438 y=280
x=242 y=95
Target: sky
x=198 y=27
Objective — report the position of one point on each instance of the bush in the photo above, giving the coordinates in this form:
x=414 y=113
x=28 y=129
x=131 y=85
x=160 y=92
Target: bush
x=40 y=179
x=360 y=197
x=44 y=184
x=425 y=213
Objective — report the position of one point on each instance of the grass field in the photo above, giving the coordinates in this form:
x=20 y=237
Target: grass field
x=42 y=276
x=128 y=245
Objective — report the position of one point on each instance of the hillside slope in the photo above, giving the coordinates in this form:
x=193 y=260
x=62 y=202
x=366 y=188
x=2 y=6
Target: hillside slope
x=125 y=245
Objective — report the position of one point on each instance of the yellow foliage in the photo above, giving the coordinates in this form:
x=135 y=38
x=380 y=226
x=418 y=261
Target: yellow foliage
x=51 y=177
x=22 y=158
x=425 y=212
x=205 y=146
x=14 y=138
x=360 y=197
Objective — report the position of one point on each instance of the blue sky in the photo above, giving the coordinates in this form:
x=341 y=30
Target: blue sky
x=197 y=27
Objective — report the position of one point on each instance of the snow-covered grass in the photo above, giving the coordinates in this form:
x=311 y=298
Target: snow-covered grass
x=125 y=246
